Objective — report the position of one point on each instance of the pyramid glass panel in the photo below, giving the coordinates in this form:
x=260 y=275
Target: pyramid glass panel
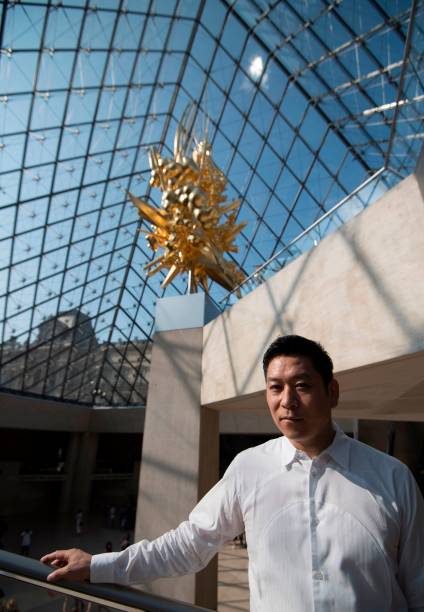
x=315 y=110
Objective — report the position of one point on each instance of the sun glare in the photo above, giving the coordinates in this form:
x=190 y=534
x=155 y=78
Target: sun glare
x=256 y=68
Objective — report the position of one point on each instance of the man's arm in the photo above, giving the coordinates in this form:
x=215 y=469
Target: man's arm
x=216 y=519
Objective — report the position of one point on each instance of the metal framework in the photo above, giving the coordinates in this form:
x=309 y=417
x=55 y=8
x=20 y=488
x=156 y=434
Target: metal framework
x=315 y=110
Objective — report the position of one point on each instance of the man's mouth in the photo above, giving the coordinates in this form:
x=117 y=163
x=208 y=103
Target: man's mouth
x=291 y=419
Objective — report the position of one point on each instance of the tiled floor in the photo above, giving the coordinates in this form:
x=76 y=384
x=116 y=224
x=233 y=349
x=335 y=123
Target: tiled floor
x=48 y=535
x=233 y=588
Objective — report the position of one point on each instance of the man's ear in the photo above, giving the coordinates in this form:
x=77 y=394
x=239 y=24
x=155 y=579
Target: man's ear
x=333 y=392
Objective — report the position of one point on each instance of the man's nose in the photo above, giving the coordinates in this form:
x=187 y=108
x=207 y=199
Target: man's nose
x=288 y=398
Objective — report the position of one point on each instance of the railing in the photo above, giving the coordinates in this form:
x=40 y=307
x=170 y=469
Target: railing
x=65 y=596
x=365 y=194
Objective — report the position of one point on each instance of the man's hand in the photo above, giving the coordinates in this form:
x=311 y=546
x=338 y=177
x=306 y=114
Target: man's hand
x=73 y=564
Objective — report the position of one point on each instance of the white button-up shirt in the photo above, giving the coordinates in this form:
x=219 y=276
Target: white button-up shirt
x=341 y=532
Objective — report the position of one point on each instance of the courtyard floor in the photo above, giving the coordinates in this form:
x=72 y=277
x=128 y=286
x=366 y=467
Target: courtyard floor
x=48 y=535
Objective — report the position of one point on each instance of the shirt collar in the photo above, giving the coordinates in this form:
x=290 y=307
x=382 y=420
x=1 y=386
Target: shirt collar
x=338 y=449
x=288 y=451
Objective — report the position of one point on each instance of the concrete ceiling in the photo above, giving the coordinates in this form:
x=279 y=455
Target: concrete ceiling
x=391 y=390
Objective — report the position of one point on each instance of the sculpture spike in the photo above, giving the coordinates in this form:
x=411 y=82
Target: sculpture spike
x=193 y=228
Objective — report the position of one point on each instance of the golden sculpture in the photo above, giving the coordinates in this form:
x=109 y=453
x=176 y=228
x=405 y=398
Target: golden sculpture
x=193 y=227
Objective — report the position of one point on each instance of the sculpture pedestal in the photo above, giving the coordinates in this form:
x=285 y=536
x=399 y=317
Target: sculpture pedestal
x=181 y=439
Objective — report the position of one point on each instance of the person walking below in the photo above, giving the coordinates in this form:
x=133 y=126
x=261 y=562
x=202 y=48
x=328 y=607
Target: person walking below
x=111 y=517
x=26 y=542
x=126 y=541
x=79 y=522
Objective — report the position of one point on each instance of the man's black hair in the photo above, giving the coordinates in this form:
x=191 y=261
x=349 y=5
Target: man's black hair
x=299 y=346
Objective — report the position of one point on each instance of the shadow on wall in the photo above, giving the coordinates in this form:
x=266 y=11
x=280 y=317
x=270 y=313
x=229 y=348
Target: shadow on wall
x=374 y=288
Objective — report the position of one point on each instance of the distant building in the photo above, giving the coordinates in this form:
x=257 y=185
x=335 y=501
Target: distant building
x=66 y=361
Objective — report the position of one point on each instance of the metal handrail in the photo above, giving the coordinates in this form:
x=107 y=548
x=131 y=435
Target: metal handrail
x=116 y=597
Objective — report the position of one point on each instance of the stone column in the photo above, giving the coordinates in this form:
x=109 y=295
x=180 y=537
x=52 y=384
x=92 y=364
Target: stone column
x=70 y=467
x=181 y=439
x=86 y=464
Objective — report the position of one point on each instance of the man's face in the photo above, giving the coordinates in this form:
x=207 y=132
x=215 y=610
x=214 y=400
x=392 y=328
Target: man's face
x=299 y=401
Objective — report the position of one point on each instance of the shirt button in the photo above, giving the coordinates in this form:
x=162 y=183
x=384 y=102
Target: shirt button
x=318 y=576
x=314 y=523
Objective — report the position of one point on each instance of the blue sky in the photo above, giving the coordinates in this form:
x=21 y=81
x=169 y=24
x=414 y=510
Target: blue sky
x=85 y=93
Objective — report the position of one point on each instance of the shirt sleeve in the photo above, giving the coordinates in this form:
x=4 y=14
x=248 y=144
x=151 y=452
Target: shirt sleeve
x=216 y=519
x=411 y=547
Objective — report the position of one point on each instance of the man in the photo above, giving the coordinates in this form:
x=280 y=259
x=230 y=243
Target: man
x=331 y=524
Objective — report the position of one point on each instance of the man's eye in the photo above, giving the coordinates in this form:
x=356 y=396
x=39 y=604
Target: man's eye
x=302 y=386
x=275 y=387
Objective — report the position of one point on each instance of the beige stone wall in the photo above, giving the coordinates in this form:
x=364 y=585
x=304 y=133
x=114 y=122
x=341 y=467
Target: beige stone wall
x=360 y=292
